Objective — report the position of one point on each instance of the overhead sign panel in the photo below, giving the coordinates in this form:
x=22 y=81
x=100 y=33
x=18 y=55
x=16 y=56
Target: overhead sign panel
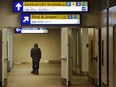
x=49 y=19
x=78 y=6
x=30 y=30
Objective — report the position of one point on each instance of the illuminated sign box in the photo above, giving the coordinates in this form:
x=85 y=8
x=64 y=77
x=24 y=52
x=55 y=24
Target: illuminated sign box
x=30 y=30
x=49 y=19
x=78 y=6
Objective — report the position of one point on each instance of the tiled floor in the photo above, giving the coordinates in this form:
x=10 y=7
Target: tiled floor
x=20 y=76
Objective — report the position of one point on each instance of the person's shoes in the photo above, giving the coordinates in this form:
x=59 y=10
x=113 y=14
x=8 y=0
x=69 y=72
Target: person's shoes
x=36 y=72
x=32 y=72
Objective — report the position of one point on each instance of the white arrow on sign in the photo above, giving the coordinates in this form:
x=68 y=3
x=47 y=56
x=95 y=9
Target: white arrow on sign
x=18 y=6
x=26 y=18
x=18 y=29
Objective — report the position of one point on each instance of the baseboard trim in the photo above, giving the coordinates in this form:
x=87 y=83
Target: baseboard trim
x=84 y=73
x=0 y=83
x=55 y=61
x=103 y=84
x=92 y=80
x=63 y=81
x=69 y=84
x=5 y=83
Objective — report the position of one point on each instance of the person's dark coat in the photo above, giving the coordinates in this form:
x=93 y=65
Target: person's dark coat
x=36 y=53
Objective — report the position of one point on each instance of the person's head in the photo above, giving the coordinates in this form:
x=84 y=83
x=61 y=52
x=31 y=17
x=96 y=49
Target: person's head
x=35 y=45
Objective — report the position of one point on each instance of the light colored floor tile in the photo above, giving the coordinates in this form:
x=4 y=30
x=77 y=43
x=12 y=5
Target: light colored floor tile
x=50 y=76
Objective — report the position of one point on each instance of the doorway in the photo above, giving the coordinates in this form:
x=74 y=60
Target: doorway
x=50 y=69
x=78 y=73
x=85 y=71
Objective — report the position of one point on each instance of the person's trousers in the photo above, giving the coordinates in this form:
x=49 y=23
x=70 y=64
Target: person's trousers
x=35 y=65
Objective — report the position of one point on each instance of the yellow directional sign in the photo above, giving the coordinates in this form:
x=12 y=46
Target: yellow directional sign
x=37 y=19
x=44 y=4
x=54 y=16
x=68 y=6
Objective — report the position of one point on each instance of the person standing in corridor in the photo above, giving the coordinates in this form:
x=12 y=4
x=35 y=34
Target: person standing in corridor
x=36 y=56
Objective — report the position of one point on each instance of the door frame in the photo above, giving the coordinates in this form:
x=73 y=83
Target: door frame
x=99 y=58
x=4 y=55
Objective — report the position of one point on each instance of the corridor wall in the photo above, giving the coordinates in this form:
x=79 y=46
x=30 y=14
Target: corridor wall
x=0 y=57
x=49 y=43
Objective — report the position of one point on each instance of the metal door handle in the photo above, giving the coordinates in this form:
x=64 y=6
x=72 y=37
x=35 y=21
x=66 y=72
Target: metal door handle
x=64 y=58
x=6 y=58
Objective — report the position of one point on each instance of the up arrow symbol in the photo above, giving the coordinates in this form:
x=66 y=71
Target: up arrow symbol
x=18 y=6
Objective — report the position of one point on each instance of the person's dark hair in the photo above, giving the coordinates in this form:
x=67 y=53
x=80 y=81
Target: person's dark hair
x=35 y=45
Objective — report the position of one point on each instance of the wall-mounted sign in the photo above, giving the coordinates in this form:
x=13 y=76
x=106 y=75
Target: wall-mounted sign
x=49 y=19
x=30 y=30
x=78 y=6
